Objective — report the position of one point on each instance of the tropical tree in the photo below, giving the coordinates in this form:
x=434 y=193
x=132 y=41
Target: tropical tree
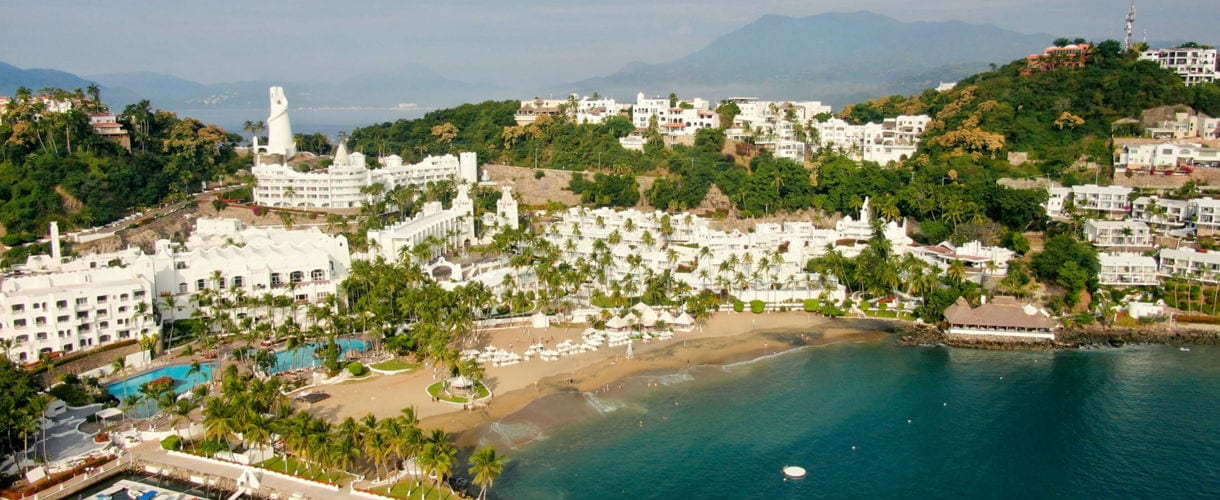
x=486 y=466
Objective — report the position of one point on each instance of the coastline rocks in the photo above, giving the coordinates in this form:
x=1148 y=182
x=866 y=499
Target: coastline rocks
x=1067 y=338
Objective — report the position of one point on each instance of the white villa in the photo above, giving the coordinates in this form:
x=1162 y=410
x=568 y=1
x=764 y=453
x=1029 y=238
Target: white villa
x=588 y=110
x=1117 y=233
x=1191 y=264
x=1194 y=65
x=1127 y=269
x=892 y=140
x=1165 y=156
x=1163 y=212
x=1109 y=201
x=685 y=119
x=978 y=258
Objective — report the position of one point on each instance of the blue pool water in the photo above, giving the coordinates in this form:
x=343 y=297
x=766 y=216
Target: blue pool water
x=303 y=357
x=183 y=383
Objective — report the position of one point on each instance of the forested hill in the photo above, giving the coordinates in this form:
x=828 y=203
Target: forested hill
x=1055 y=116
x=54 y=167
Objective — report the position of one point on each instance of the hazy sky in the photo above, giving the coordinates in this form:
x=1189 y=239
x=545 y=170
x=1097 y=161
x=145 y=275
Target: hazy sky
x=509 y=43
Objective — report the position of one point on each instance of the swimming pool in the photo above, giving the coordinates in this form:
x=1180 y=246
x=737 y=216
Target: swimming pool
x=303 y=357
x=182 y=383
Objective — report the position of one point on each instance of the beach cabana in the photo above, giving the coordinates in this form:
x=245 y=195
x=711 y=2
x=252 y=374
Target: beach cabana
x=683 y=322
x=617 y=324
x=648 y=317
x=109 y=413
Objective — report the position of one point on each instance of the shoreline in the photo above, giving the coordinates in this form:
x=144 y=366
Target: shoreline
x=726 y=338
x=752 y=345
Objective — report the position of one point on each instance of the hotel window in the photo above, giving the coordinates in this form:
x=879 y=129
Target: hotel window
x=23 y=339
x=317 y=275
x=180 y=265
x=63 y=319
x=18 y=308
x=62 y=304
x=139 y=294
x=296 y=276
x=101 y=299
x=82 y=301
x=239 y=282
x=123 y=297
x=276 y=279
x=42 y=336
x=182 y=288
x=19 y=323
x=200 y=284
x=41 y=320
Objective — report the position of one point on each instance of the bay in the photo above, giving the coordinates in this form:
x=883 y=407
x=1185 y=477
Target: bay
x=874 y=419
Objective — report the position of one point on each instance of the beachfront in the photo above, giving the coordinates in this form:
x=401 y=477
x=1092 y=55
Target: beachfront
x=727 y=337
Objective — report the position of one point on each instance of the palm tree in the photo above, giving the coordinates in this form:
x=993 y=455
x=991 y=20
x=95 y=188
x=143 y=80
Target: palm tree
x=119 y=365
x=486 y=466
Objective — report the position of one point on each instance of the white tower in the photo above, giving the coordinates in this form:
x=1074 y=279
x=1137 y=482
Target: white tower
x=506 y=209
x=464 y=206
x=55 y=251
x=279 y=129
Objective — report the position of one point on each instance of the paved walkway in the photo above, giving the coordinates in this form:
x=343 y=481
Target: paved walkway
x=152 y=453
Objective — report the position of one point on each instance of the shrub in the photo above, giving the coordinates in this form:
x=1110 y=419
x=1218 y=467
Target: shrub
x=738 y=306
x=811 y=305
x=219 y=205
x=757 y=306
x=172 y=442
x=538 y=174
x=357 y=369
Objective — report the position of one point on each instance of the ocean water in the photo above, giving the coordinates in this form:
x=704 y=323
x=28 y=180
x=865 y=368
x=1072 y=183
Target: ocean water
x=873 y=420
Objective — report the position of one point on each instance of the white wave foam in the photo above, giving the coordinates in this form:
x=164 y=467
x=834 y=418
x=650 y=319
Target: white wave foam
x=511 y=434
x=602 y=406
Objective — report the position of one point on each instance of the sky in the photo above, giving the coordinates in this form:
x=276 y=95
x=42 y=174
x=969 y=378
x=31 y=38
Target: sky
x=512 y=44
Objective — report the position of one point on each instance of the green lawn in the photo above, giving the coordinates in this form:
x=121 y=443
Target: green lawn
x=305 y=470
x=394 y=365
x=425 y=490
x=459 y=395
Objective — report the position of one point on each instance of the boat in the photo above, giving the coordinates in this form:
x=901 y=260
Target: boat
x=794 y=472
x=1184 y=349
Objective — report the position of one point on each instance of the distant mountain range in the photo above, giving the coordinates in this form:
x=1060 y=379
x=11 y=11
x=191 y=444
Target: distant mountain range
x=837 y=58
x=416 y=85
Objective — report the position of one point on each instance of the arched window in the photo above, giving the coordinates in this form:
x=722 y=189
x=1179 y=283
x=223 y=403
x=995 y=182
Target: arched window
x=276 y=279
x=317 y=275
x=239 y=282
x=296 y=276
x=182 y=287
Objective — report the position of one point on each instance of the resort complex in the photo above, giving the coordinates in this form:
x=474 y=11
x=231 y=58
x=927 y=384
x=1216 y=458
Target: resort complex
x=188 y=312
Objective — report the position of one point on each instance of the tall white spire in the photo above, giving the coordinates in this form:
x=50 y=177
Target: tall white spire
x=279 y=129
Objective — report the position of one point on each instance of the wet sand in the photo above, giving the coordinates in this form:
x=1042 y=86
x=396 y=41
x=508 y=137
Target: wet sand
x=726 y=338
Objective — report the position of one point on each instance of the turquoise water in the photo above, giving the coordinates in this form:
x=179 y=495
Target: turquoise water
x=183 y=383
x=303 y=357
x=1137 y=422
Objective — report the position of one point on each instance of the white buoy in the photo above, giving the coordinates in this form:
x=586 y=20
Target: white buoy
x=908 y=420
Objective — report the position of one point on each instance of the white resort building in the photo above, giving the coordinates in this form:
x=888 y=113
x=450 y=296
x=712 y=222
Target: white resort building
x=1117 y=233
x=50 y=307
x=340 y=185
x=1190 y=264
x=1107 y=201
x=1127 y=269
x=1194 y=65
x=450 y=227
x=222 y=254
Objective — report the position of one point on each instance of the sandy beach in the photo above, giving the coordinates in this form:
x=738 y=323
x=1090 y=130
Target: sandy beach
x=726 y=338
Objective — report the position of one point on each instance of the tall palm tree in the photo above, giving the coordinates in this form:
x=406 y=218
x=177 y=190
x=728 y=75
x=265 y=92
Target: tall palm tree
x=486 y=466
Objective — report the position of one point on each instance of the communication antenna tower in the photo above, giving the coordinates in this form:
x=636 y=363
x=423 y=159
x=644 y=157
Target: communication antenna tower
x=1130 y=26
